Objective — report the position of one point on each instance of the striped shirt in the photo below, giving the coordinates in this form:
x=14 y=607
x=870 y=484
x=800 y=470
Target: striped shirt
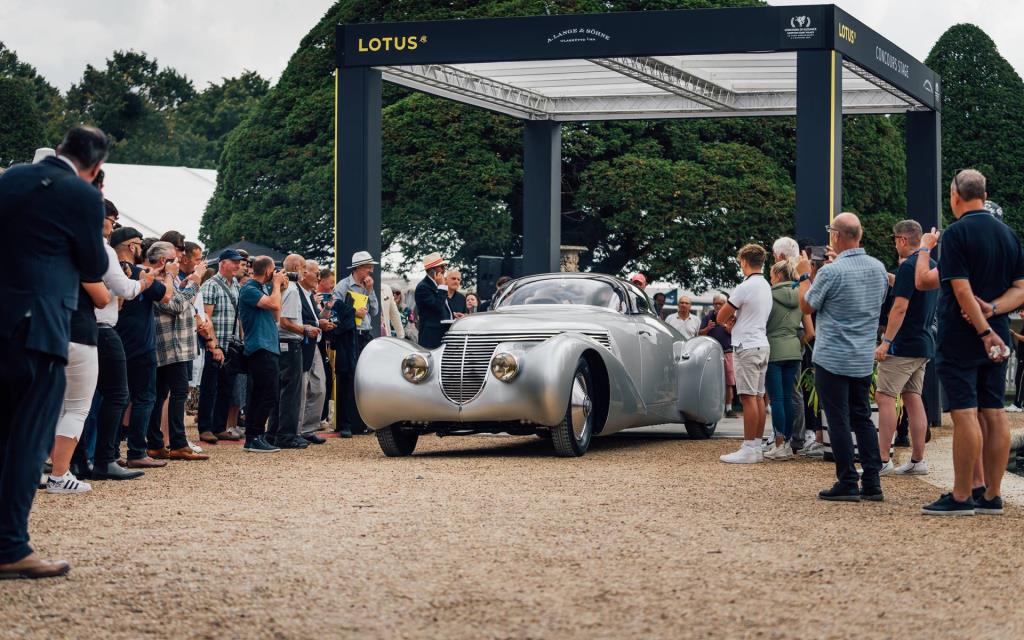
x=224 y=306
x=847 y=295
x=176 y=339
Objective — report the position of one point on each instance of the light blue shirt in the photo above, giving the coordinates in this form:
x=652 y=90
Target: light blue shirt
x=348 y=284
x=847 y=295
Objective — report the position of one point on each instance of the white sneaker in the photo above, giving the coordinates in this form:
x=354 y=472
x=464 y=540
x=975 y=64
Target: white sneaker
x=745 y=455
x=912 y=468
x=814 y=450
x=785 y=452
x=887 y=468
x=1013 y=409
x=194 y=447
x=66 y=483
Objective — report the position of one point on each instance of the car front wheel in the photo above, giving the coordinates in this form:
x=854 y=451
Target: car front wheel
x=571 y=437
x=396 y=443
x=700 y=430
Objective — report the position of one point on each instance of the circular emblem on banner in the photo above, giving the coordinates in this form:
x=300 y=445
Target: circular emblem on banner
x=800 y=22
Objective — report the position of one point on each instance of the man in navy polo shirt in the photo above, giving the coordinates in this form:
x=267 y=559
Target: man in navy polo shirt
x=981 y=260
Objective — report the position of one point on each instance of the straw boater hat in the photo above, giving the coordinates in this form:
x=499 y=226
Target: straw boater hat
x=359 y=258
x=433 y=260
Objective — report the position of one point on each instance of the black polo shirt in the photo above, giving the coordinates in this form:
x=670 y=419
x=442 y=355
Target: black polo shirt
x=987 y=253
x=914 y=339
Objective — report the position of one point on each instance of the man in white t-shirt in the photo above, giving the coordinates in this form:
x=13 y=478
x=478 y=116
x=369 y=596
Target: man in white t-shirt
x=751 y=304
x=685 y=322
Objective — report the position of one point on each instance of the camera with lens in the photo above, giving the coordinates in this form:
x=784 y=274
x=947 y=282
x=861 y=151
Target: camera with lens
x=294 y=277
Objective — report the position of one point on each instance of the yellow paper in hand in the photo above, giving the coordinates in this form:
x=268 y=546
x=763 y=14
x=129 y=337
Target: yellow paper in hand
x=359 y=301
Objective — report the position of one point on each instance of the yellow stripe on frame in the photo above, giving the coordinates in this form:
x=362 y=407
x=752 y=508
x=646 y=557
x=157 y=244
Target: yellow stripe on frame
x=832 y=142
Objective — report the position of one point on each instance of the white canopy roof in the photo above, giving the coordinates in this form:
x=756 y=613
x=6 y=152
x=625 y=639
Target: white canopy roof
x=157 y=199
x=724 y=85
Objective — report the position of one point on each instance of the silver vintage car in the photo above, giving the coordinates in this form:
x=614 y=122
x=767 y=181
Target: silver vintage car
x=565 y=356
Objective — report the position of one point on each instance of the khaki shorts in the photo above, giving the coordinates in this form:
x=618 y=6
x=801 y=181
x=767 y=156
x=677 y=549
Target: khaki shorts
x=898 y=375
x=751 y=366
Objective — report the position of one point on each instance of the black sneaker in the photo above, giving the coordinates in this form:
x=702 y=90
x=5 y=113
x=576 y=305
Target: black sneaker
x=993 y=507
x=947 y=506
x=259 y=444
x=901 y=441
x=874 y=494
x=312 y=438
x=839 y=493
x=978 y=493
x=293 y=442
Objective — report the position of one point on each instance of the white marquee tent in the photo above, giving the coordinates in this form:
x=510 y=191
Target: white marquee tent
x=157 y=199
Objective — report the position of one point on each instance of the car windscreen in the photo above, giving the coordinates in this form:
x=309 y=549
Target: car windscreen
x=597 y=293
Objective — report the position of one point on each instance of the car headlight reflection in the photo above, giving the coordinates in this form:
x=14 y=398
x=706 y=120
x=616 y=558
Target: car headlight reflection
x=504 y=366
x=415 y=367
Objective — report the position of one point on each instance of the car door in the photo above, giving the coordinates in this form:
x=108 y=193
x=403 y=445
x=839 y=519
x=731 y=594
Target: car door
x=657 y=371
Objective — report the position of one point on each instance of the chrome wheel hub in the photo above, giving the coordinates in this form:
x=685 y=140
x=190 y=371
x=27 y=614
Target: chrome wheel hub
x=582 y=406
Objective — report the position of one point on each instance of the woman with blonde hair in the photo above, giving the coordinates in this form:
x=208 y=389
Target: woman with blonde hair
x=784 y=356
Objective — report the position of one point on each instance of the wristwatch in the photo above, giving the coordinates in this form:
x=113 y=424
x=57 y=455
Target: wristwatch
x=985 y=332
x=804 y=276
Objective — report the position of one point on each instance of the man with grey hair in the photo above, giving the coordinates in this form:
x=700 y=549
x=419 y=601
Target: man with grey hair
x=981 y=275
x=785 y=248
x=283 y=429
x=847 y=295
x=685 y=322
x=907 y=346
x=314 y=384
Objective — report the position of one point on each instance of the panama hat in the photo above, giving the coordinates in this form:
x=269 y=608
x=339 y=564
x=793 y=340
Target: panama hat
x=359 y=258
x=433 y=260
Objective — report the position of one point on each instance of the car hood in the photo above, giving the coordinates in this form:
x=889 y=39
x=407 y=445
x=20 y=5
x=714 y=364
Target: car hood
x=539 y=317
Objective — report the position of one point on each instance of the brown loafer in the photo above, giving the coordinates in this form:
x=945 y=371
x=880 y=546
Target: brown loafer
x=208 y=437
x=228 y=435
x=32 y=566
x=186 y=453
x=145 y=463
x=159 y=454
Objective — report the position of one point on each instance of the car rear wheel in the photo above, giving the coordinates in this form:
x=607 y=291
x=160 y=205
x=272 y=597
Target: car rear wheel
x=571 y=437
x=700 y=430
x=396 y=443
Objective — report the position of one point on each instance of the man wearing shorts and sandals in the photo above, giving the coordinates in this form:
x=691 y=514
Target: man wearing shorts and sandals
x=750 y=304
x=711 y=328
x=903 y=355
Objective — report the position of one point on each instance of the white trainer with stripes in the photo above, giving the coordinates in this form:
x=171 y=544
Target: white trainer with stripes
x=67 y=483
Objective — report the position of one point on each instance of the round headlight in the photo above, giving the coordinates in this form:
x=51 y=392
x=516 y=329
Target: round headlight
x=415 y=367
x=504 y=366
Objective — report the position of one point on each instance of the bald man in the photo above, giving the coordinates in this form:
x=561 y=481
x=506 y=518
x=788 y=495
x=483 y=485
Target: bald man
x=847 y=295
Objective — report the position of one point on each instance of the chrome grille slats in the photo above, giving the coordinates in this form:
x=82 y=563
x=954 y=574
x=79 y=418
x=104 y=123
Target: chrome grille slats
x=467 y=356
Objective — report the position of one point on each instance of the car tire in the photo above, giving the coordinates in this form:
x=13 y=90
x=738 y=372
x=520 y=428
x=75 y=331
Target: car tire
x=571 y=437
x=543 y=434
x=700 y=430
x=396 y=443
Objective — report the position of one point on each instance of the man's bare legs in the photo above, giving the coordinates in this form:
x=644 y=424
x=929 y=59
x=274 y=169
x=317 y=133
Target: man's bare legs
x=966 y=446
x=995 y=449
x=917 y=417
x=754 y=416
x=886 y=423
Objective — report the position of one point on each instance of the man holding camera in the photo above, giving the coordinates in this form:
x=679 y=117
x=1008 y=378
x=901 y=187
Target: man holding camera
x=259 y=307
x=432 y=302
x=292 y=333
x=358 y=289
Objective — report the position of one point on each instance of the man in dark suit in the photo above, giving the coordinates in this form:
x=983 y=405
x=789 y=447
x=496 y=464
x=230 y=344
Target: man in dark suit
x=56 y=218
x=432 y=302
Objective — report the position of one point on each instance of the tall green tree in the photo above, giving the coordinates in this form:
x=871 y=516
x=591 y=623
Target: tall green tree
x=22 y=131
x=982 y=115
x=49 y=103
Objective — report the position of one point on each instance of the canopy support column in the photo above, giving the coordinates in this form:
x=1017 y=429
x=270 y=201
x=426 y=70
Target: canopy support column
x=924 y=204
x=542 y=196
x=357 y=169
x=819 y=141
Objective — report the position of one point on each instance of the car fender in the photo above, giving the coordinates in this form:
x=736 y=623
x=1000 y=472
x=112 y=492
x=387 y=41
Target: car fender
x=379 y=382
x=700 y=370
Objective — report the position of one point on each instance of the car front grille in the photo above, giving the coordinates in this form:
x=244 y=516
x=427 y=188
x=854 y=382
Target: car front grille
x=467 y=356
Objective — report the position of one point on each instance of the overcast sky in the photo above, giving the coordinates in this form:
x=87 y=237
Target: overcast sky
x=211 y=39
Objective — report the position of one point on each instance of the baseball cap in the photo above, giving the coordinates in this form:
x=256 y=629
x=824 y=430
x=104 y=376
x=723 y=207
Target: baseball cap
x=124 y=234
x=639 y=278
x=230 y=254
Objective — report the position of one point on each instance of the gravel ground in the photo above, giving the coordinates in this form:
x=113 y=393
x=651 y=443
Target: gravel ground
x=489 y=537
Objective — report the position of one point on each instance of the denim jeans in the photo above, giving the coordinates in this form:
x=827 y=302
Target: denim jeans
x=215 y=390
x=780 y=381
x=847 y=407
x=263 y=396
x=112 y=386
x=142 y=391
x=172 y=386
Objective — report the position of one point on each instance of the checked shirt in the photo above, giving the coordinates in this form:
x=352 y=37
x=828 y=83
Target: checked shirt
x=224 y=326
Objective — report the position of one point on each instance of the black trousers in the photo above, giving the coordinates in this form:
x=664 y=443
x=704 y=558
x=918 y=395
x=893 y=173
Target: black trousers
x=172 y=383
x=847 y=406
x=329 y=375
x=263 y=392
x=31 y=397
x=216 y=388
x=285 y=421
x=142 y=391
x=347 y=412
x=112 y=386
